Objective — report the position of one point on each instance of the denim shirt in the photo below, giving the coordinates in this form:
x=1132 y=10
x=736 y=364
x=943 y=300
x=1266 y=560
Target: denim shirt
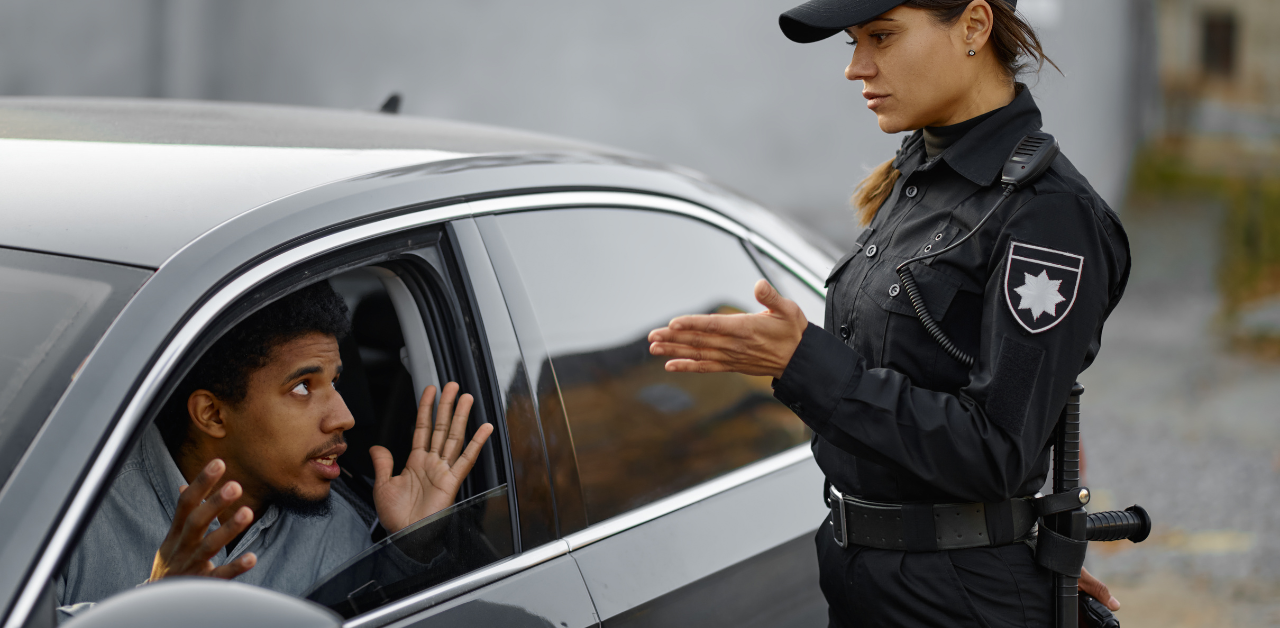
x=117 y=550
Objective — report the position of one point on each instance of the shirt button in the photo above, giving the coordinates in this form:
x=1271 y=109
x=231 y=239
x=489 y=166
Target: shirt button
x=911 y=191
x=928 y=247
x=796 y=407
x=937 y=237
x=893 y=290
x=871 y=251
x=844 y=332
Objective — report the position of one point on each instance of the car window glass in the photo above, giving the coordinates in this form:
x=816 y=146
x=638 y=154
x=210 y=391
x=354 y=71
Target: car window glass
x=459 y=539
x=792 y=287
x=599 y=281
x=53 y=310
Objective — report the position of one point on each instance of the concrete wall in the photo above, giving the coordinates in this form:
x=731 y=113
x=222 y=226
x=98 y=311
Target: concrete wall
x=710 y=84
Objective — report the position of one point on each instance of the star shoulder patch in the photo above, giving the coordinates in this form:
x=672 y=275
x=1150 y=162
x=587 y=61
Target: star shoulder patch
x=1040 y=285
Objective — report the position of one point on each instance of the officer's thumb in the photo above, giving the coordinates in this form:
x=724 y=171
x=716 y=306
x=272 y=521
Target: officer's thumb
x=767 y=296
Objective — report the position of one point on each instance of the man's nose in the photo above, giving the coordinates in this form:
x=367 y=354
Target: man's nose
x=339 y=418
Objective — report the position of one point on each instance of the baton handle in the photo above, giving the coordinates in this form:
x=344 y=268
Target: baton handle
x=1132 y=523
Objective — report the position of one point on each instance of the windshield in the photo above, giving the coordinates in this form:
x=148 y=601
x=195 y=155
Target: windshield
x=459 y=539
x=53 y=310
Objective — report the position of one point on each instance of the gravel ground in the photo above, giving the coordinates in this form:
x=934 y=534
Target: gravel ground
x=1188 y=430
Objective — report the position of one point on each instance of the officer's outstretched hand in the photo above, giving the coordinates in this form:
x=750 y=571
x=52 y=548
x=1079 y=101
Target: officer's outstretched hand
x=1099 y=591
x=753 y=344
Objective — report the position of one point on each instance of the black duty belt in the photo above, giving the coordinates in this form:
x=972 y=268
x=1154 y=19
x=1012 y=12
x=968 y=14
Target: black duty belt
x=929 y=527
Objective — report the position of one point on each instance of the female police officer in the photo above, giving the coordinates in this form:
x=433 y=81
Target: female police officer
x=926 y=448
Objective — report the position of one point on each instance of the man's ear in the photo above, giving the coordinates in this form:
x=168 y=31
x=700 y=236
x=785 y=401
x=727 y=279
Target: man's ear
x=206 y=411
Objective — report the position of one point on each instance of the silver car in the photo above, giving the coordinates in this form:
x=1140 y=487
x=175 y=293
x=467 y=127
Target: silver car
x=527 y=268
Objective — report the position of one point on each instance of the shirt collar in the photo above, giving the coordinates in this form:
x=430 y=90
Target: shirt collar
x=166 y=478
x=979 y=156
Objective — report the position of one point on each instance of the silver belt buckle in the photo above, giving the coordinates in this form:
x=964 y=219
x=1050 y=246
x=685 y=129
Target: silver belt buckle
x=838 y=520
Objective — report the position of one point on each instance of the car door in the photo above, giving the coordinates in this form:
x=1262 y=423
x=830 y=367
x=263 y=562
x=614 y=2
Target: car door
x=540 y=586
x=698 y=493
x=534 y=582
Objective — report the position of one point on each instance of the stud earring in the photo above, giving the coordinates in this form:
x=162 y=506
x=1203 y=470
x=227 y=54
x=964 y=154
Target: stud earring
x=971 y=53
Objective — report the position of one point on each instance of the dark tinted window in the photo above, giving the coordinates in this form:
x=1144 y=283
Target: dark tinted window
x=53 y=310
x=599 y=281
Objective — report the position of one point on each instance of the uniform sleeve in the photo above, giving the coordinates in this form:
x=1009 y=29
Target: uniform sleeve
x=982 y=443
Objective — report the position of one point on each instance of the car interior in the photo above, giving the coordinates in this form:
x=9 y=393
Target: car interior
x=405 y=337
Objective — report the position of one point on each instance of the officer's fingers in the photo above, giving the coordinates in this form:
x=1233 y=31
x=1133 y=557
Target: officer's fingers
x=235 y=567
x=699 y=340
x=697 y=366
x=715 y=324
x=1097 y=589
x=686 y=352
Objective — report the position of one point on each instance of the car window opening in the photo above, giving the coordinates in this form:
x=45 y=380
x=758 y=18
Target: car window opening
x=334 y=549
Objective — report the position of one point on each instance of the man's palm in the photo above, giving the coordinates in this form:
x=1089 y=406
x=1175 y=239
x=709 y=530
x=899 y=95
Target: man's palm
x=437 y=462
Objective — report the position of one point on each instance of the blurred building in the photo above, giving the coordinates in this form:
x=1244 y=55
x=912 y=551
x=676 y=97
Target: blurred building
x=708 y=84
x=1220 y=74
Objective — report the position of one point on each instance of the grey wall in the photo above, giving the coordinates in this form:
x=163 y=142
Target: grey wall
x=710 y=84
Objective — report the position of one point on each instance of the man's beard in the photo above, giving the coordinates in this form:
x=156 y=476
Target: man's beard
x=290 y=501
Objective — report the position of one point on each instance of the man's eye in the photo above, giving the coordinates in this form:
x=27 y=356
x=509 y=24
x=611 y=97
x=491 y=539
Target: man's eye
x=880 y=36
x=852 y=42
x=301 y=389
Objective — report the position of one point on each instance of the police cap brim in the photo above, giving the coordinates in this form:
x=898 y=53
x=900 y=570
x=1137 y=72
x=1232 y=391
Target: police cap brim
x=816 y=20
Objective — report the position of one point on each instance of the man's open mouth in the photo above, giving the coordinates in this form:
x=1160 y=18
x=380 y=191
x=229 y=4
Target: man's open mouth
x=327 y=461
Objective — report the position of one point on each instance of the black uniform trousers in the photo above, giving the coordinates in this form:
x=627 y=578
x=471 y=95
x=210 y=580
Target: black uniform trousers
x=995 y=587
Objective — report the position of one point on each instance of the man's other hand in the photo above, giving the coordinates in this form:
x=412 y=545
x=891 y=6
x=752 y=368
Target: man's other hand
x=187 y=550
x=437 y=463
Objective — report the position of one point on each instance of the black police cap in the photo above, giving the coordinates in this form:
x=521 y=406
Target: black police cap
x=819 y=19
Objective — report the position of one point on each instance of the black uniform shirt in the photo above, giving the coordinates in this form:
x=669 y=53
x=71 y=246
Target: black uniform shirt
x=896 y=419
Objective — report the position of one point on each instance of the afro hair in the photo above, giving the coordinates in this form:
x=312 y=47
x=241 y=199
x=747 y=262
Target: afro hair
x=225 y=368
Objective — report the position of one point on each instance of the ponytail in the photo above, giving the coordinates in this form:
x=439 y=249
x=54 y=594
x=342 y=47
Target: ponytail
x=873 y=191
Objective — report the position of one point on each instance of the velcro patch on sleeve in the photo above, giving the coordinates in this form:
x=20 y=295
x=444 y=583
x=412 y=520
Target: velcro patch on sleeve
x=1017 y=370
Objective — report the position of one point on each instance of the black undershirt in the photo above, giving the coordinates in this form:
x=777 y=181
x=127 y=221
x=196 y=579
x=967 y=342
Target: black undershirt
x=940 y=138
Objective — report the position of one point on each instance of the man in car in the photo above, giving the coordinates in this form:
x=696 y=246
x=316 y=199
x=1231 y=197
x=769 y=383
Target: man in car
x=233 y=480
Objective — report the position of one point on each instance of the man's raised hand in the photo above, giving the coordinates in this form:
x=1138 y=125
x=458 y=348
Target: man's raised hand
x=753 y=344
x=437 y=463
x=187 y=550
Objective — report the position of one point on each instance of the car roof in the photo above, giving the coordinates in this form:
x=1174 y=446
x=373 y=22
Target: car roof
x=133 y=181
x=165 y=121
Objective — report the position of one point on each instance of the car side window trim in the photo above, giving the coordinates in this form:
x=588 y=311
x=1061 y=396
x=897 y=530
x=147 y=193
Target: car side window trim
x=117 y=441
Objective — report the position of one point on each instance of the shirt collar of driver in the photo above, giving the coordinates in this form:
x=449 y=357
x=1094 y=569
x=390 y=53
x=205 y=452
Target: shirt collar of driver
x=165 y=478
x=979 y=156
